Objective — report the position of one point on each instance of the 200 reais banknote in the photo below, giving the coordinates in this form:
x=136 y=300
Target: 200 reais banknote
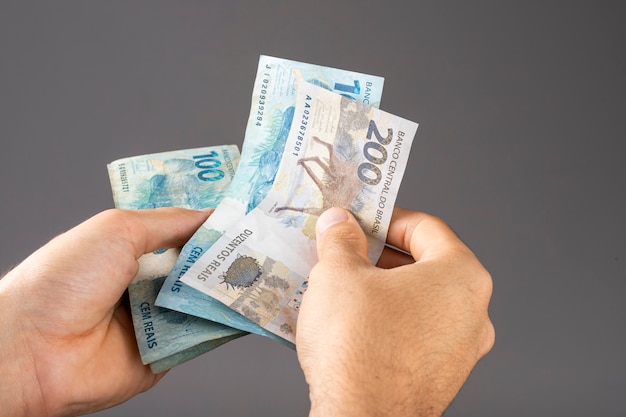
x=339 y=152
x=193 y=178
x=269 y=123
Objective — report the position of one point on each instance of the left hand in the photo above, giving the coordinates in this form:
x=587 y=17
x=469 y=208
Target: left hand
x=67 y=344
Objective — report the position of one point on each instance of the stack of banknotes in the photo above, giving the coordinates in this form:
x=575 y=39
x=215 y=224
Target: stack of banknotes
x=315 y=139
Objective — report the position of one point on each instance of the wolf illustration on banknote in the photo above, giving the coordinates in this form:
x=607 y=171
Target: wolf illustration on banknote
x=339 y=184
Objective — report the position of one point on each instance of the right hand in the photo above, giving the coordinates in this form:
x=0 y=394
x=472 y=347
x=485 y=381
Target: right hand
x=398 y=339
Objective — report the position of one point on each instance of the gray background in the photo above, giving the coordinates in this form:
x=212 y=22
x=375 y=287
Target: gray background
x=520 y=148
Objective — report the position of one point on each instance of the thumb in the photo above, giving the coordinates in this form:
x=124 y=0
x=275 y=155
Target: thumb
x=339 y=238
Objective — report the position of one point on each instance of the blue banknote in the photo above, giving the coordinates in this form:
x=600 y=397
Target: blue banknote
x=193 y=178
x=269 y=123
x=339 y=153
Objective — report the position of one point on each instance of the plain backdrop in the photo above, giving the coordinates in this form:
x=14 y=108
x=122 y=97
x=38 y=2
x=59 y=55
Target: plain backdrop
x=521 y=106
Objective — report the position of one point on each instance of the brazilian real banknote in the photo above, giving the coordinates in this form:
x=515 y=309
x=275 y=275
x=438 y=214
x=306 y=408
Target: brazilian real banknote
x=269 y=123
x=194 y=178
x=339 y=152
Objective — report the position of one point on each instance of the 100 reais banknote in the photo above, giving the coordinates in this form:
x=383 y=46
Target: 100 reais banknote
x=193 y=178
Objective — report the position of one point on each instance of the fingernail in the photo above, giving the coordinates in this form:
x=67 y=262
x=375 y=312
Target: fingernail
x=331 y=217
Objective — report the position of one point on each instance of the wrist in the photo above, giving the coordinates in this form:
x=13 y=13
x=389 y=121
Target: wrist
x=333 y=395
x=19 y=388
x=373 y=386
x=351 y=389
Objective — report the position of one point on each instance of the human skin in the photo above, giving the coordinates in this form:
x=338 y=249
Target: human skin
x=67 y=344
x=395 y=340
x=399 y=339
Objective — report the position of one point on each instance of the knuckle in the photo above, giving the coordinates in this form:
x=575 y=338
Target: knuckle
x=488 y=338
x=341 y=234
x=112 y=216
x=479 y=281
x=117 y=222
x=343 y=241
x=484 y=284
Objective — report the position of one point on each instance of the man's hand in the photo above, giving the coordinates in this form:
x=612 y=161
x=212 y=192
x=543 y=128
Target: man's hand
x=399 y=339
x=67 y=345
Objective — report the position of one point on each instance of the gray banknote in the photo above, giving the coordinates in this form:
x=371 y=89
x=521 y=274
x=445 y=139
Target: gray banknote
x=193 y=178
x=270 y=120
x=339 y=152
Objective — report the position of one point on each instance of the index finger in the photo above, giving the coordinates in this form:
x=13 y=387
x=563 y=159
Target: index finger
x=420 y=234
x=150 y=229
